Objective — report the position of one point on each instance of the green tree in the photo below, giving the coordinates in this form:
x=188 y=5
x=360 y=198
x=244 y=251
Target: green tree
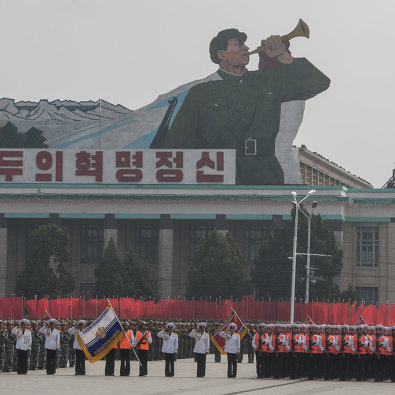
x=273 y=268
x=140 y=277
x=33 y=138
x=218 y=268
x=11 y=138
x=109 y=273
x=46 y=273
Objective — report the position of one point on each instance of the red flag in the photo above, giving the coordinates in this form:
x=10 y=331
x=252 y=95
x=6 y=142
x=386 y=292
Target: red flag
x=241 y=329
x=309 y=321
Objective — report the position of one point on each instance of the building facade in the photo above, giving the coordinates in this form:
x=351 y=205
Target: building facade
x=164 y=224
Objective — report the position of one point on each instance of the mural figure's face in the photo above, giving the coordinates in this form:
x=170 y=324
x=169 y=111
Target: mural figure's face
x=236 y=54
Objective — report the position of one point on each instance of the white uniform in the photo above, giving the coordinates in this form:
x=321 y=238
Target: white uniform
x=52 y=338
x=170 y=342
x=232 y=344
x=73 y=331
x=23 y=339
x=202 y=342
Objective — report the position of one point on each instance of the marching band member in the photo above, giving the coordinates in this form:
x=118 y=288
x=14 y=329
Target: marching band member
x=169 y=348
x=79 y=354
x=23 y=345
x=232 y=348
x=202 y=347
x=52 y=344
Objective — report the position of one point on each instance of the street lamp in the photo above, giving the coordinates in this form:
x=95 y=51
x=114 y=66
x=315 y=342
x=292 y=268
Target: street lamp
x=297 y=205
x=313 y=206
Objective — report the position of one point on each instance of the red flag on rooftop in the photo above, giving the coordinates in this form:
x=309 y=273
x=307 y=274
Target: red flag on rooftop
x=241 y=329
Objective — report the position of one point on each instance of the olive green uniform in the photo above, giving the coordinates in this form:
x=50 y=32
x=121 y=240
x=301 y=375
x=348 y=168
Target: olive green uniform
x=222 y=114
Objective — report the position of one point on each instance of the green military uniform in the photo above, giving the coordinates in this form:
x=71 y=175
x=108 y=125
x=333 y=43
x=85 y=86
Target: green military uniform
x=223 y=114
x=35 y=350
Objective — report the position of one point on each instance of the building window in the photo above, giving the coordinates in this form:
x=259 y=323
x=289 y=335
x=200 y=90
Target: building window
x=367 y=246
x=197 y=232
x=254 y=236
x=367 y=295
x=91 y=243
x=146 y=242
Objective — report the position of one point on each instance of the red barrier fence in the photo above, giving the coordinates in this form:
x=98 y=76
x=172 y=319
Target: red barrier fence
x=248 y=309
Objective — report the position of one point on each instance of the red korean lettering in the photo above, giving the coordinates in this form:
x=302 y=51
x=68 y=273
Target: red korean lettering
x=206 y=161
x=130 y=166
x=173 y=164
x=88 y=164
x=44 y=162
x=11 y=164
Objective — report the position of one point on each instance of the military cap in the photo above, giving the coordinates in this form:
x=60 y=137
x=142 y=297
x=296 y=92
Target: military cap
x=201 y=325
x=23 y=321
x=52 y=321
x=81 y=322
x=261 y=325
x=170 y=324
x=221 y=42
x=232 y=325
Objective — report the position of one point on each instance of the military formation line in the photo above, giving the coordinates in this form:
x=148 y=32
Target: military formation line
x=329 y=352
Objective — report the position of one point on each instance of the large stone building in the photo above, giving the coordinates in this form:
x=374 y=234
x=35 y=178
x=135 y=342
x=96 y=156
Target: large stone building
x=164 y=224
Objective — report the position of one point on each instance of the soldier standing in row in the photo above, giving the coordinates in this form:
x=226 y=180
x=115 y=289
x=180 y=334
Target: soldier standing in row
x=52 y=344
x=232 y=348
x=35 y=350
x=23 y=345
x=80 y=356
x=125 y=346
x=169 y=348
x=202 y=347
x=258 y=346
x=143 y=340
x=9 y=341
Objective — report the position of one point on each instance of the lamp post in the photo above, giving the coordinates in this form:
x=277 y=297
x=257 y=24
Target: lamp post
x=295 y=242
x=313 y=206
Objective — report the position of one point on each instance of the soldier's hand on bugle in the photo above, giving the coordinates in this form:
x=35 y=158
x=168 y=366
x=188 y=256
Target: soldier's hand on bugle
x=275 y=48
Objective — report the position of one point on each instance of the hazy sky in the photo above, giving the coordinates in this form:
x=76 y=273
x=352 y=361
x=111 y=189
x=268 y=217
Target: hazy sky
x=129 y=52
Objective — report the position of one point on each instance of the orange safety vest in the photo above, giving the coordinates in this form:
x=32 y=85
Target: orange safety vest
x=273 y=343
x=315 y=349
x=335 y=339
x=287 y=338
x=144 y=345
x=372 y=339
x=383 y=350
x=362 y=349
x=352 y=339
x=124 y=343
x=260 y=346
x=299 y=338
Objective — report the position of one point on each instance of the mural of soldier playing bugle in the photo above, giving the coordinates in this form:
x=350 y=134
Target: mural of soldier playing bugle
x=257 y=113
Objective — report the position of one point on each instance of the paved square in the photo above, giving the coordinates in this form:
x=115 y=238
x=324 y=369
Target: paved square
x=184 y=382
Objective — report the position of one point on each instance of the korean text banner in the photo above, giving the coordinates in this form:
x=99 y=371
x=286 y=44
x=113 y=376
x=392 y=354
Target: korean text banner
x=190 y=166
x=241 y=329
x=100 y=337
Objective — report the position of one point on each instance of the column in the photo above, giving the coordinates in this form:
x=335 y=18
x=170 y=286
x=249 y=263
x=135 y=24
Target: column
x=3 y=254
x=221 y=224
x=110 y=230
x=165 y=274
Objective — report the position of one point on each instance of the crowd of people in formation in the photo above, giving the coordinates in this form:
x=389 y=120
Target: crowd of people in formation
x=329 y=352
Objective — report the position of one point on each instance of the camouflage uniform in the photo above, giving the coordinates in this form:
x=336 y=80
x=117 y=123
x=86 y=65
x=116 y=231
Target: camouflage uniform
x=71 y=351
x=42 y=355
x=64 y=348
x=35 y=350
x=9 y=351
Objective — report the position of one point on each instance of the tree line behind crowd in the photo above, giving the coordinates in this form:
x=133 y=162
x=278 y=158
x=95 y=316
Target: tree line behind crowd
x=218 y=269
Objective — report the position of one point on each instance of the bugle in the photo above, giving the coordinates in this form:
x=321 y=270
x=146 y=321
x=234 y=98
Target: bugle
x=301 y=30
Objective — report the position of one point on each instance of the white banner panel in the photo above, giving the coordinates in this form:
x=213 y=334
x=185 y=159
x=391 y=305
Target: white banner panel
x=149 y=166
